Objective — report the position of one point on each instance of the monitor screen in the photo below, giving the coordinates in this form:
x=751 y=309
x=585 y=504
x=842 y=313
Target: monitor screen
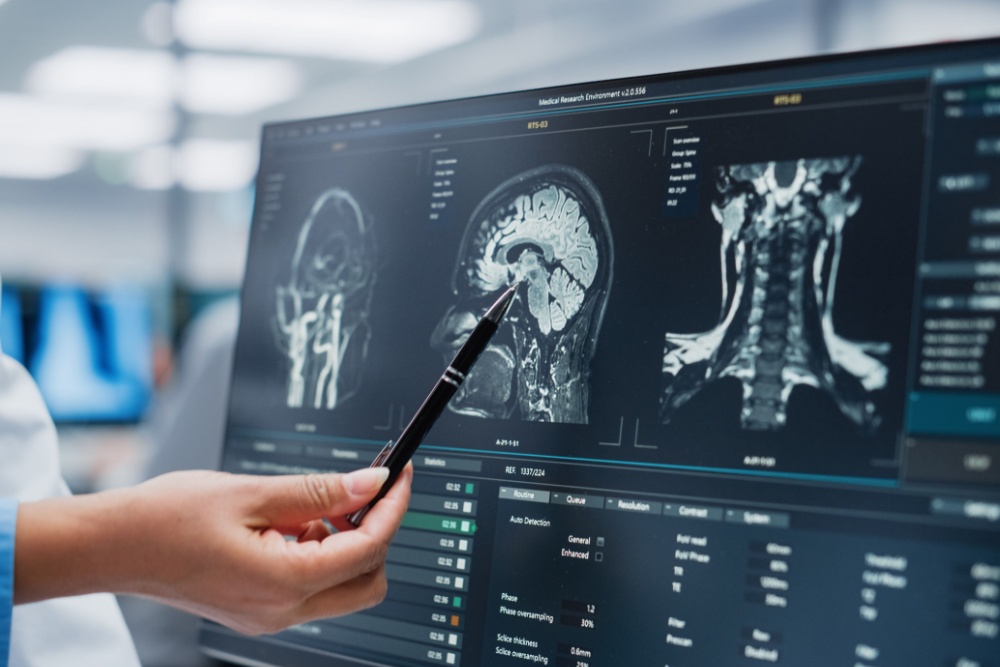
x=743 y=410
x=89 y=350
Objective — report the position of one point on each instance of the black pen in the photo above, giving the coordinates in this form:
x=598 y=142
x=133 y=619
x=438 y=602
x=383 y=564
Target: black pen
x=397 y=453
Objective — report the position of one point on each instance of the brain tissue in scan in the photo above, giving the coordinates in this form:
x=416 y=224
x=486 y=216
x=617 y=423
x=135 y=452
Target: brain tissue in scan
x=547 y=229
x=781 y=234
x=321 y=318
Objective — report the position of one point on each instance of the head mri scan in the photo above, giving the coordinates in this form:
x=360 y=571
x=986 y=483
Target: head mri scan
x=321 y=318
x=781 y=234
x=545 y=228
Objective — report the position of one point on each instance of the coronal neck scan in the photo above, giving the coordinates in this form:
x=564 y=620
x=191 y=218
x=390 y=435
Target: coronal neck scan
x=546 y=228
x=322 y=312
x=781 y=234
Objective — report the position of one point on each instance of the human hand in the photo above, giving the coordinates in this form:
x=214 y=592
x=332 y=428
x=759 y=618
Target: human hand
x=249 y=552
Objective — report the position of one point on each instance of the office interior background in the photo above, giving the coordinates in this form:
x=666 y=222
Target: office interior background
x=129 y=134
x=128 y=146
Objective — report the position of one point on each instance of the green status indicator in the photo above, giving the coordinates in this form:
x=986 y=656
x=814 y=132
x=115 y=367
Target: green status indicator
x=436 y=522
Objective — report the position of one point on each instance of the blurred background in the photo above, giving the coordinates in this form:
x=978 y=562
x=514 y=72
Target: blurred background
x=128 y=147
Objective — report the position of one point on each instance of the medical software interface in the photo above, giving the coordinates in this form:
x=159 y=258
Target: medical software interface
x=743 y=410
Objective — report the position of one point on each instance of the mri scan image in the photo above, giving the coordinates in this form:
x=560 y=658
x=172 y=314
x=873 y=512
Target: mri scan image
x=321 y=317
x=545 y=228
x=781 y=225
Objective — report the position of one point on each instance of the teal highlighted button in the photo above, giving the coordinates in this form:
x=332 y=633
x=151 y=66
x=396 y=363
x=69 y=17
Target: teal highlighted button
x=981 y=415
x=439 y=523
x=954 y=414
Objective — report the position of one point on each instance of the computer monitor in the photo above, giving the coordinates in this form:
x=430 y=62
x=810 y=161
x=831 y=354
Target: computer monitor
x=744 y=409
x=89 y=350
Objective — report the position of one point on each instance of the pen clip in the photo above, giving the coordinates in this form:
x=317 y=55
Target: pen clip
x=383 y=456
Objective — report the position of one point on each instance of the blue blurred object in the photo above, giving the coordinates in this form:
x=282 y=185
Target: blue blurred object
x=11 y=331
x=90 y=352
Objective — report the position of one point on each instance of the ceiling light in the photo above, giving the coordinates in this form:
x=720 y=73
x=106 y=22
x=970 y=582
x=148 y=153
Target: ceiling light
x=37 y=162
x=383 y=31
x=203 y=165
x=237 y=85
x=135 y=75
x=206 y=83
x=152 y=168
x=33 y=121
x=211 y=165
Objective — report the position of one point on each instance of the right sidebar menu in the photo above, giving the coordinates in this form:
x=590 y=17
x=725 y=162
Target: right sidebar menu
x=953 y=415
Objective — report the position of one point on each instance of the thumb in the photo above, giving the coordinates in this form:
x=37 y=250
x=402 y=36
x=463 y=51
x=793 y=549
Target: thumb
x=295 y=499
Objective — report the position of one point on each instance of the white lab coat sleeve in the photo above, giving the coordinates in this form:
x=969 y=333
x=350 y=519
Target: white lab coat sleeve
x=82 y=631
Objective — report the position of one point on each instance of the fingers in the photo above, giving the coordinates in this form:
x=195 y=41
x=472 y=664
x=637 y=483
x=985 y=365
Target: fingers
x=396 y=500
x=350 y=554
x=297 y=499
x=315 y=531
x=384 y=518
x=360 y=593
x=368 y=587
x=322 y=574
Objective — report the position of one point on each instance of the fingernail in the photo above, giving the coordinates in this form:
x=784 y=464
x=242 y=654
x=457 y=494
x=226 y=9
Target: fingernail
x=366 y=481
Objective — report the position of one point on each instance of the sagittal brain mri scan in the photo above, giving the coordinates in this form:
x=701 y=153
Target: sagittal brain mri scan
x=547 y=229
x=782 y=226
x=322 y=312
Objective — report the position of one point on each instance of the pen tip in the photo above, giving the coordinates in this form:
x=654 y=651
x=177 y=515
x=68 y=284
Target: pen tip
x=500 y=307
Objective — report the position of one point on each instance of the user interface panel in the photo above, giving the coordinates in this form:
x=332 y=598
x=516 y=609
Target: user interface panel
x=743 y=410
